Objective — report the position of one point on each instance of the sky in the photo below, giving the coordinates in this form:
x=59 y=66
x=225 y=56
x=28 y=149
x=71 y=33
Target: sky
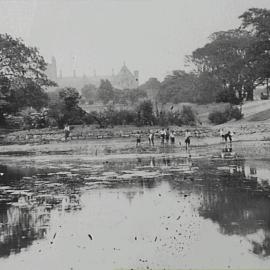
x=152 y=36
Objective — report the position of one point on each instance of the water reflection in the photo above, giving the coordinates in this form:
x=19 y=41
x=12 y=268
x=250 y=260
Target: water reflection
x=26 y=204
x=226 y=189
x=20 y=227
x=240 y=202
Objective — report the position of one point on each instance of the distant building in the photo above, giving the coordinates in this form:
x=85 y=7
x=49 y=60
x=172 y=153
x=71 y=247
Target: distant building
x=51 y=71
x=125 y=79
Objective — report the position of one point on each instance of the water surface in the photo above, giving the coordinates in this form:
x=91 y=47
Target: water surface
x=166 y=211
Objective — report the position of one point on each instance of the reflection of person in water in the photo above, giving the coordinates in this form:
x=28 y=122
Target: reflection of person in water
x=152 y=162
x=227 y=151
x=166 y=161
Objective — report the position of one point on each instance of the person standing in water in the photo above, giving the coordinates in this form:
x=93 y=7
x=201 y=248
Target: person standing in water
x=138 y=139
x=167 y=135
x=187 y=139
x=67 y=131
x=162 y=135
x=227 y=136
x=151 y=138
x=172 y=137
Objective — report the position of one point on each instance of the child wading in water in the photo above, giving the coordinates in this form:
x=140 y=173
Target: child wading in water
x=151 y=138
x=167 y=135
x=138 y=139
x=172 y=137
x=187 y=139
x=67 y=131
x=162 y=135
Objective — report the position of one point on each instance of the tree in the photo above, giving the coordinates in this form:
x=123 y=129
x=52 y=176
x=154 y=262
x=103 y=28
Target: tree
x=145 y=115
x=207 y=88
x=65 y=109
x=89 y=92
x=257 y=22
x=227 y=58
x=178 y=87
x=70 y=96
x=105 y=91
x=134 y=95
x=20 y=66
x=151 y=87
x=30 y=95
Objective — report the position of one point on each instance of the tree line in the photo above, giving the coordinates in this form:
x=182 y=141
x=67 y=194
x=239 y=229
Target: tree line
x=226 y=69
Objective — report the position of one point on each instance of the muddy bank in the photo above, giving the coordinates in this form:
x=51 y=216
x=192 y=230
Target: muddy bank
x=203 y=135
x=92 y=133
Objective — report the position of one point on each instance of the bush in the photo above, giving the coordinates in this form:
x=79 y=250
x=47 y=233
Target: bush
x=145 y=114
x=236 y=113
x=188 y=116
x=227 y=96
x=220 y=117
x=184 y=117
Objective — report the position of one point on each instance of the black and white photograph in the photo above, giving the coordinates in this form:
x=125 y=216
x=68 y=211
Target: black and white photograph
x=134 y=134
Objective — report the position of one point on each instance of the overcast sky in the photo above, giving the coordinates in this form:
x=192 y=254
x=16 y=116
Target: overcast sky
x=152 y=36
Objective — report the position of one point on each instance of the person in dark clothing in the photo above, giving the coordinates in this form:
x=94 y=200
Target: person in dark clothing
x=67 y=131
x=227 y=136
x=167 y=135
x=162 y=136
x=138 y=139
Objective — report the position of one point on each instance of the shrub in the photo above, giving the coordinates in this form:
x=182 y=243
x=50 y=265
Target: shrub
x=227 y=96
x=188 y=116
x=184 y=117
x=145 y=114
x=220 y=117
x=236 y=113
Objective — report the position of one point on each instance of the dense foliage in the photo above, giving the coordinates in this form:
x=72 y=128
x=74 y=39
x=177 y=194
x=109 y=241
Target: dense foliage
x=222 y=116
x=64 y=109
x=22 y=76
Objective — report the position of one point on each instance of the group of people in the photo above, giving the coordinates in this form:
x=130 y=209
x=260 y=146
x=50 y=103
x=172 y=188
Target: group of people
x=167 y=136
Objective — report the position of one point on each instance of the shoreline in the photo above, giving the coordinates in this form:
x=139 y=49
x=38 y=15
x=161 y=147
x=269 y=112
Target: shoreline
x=98 y=149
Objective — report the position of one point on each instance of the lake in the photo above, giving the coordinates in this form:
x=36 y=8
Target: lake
x=165 y=210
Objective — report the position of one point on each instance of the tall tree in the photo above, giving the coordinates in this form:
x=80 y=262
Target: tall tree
x=178 y=87
x=20 y=66
x=105 y=91
x=151 y=87
x=64 y=108
x=89 y=92
x=257 y=22
x=227 y=57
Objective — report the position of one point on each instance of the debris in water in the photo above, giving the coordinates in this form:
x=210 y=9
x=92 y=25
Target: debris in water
x=89 y=235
